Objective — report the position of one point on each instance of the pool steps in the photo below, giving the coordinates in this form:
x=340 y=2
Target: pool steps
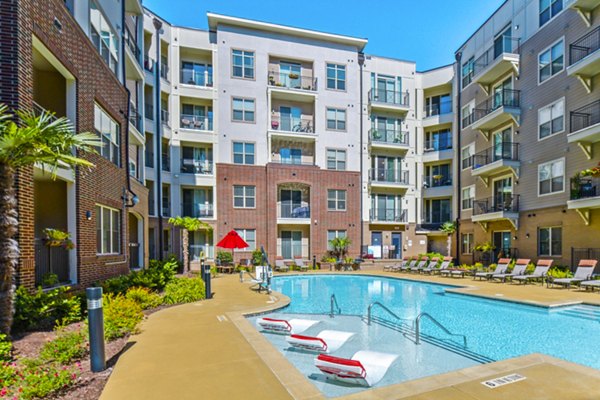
x=591 y=313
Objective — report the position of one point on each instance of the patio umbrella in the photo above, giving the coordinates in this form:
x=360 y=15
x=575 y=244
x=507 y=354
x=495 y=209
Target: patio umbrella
x=232 y=241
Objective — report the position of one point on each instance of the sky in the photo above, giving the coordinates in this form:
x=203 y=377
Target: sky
x=425 y=31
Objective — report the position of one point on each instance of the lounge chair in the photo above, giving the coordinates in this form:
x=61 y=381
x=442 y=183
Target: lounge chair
x=293 y=326
x=409 y=265
x=541 y=270
x=300 y=262
x=365 y=368
x=397 y=266
x=590 y=284
x=325 y=342
x=421 y=264
x=280 y=265
x=431 y=266
x=500 y=269
x=584 y=272
x=519 y=269
x=433 y=269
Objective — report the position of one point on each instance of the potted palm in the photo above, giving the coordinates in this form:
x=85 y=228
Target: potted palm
x=187 y=225
x=448 y=228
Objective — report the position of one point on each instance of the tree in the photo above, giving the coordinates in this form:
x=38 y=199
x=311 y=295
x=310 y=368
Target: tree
x=187 y=225
x=448 y=228
x=26 y=140
x=339 y=247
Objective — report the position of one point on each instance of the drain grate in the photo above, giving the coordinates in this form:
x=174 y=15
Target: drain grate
x=503 y=380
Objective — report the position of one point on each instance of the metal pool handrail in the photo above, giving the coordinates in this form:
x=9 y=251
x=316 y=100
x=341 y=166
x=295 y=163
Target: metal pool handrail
x=439 y=325
x=334 y=304
x=369 y=318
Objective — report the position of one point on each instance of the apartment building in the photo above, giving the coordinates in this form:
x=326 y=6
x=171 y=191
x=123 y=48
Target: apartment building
x=529 y=123
x=65 y=57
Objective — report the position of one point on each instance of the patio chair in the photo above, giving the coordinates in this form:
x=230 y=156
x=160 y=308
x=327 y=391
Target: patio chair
x=434 y=269
x=396 y=267
x=519 y=269
x=592 y=284
x=430 y=266
x=584 y=271
x=365 y=368
x=419 y=266
x=280 y=265
x=326 y=341
x=302 y=263
x=286 y=327
x=500 y=269
x=541 y=270
x=411 y=264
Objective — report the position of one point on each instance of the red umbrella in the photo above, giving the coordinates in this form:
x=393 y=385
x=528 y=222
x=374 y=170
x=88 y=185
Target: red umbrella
x=232 y=241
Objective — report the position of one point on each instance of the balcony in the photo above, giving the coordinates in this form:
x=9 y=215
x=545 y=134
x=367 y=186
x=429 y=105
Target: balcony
x=293 y=213
x=585 y=127
x=148 y=64
x=437 y=186
x=585 y=196
x=389 y=139
x=502 y=107
x=149 y=158
x=285 y=80
x=385 y=216
x=166 y=162
x=389 y=100
x=584 y=8
x=195 y=78
x=197 y=210
x=166 y=210
x=292 y=127
x=584 y=58
x=438 y=148
x=438 y=114
x=149 y=111
x=197 y=167
x=389 y=178
x=164 y=71
x=498 y=60
x=503 y=206
x=135 y=118
x=499 y=158
x=196 y=122
x=164 y=117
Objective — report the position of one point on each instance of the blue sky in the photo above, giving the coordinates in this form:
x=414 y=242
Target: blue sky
x=425 y=31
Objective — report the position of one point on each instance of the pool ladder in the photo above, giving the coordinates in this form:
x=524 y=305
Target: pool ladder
x=369 y=315
x=438 y=324
x=334 y=306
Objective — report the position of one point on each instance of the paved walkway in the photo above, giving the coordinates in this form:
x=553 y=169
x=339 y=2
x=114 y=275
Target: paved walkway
x=208 y=350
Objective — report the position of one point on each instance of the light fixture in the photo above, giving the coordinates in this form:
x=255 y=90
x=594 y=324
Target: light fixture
x=527 y=235
x=88 y=215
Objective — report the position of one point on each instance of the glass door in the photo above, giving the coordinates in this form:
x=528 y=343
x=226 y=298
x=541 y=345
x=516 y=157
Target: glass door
x=386 y=89
x=502 y=241
x=503 y=145
x=291 y=244
x=502 y=94
x=290 y=156
x=289 y=74
x=291 y=202
x=291 y=118
x=503 y=194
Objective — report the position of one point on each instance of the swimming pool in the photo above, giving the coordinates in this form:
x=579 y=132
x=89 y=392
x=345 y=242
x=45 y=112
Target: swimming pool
x=495 y=330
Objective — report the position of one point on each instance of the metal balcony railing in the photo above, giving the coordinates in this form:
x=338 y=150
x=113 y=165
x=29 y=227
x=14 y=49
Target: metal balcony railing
x=385 y=215
x=196 y=122
x=502 y=202
x=193 y=77
x=199 y=167
x=388 y=176
x=438 y=144
x=292 y=81
x=285 y=123
x=389 y=136
x=38 y=110
x=293 y=211
x=149 y=111
x=131 y=43
x=389 y=97
x=149 y=158
x=135 y=117
x=500 y=151
x=501 y=98
x=166 y=162
x=164 y=71
x=444 y=107
x=197 y=210
x=467 y=120
x=585 y=116
x=503 y=45
x=584 y=46
x=437 y=181
x=585 y=187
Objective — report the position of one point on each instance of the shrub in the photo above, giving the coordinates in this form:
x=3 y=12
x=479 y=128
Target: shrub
x=440 y=256
x=33 y=382
x=155 y=277
x=121 y=316
x=224 y=257
x=257 y=257
x=43 y=309
x=5 y=349
x=184 y=290
x=530 y=268
x=66 y=347
x=559 y=272
x=144 y=297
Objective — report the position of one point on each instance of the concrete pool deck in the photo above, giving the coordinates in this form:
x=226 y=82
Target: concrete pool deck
x=209 y=350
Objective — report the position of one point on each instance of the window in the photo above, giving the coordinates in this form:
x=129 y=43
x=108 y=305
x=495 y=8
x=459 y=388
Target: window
x=466 y=114
x=466 y=243
x=249 y=236
x=108 y=230
x=468 y=69
x=334 y=234
x=336 y=119
x=104 y=37
x=243 y=110
x=551 y=177
x=549 y=9
x=437 y=211
x=438 y=105
x=166 y=241
x=467 y=156
x=550 y=241
x=243 y=153
x=244 y=196
x=336 y=77
x=551 y=61
x=336 y=159
x=243 y=64
x=438 y=140
x=336 y=200
x=109 y=132
x=468 y=195
x=551 y=119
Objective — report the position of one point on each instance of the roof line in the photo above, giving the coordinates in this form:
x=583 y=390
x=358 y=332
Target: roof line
x=481 y=26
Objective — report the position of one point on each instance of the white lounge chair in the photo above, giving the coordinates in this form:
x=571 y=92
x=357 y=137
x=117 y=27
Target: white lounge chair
x=541 y=270
x=365 y=368
x=590 y=284
x=500 y=269
x=420 y=265
x=430 y=266
x=409 y=265
x=519 y=269
x=326 y=341
x=584 y=271
x=293 y=326
x=396 y=266
x=443 y=266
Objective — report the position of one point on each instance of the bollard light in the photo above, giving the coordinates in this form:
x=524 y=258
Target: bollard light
x=96 y=328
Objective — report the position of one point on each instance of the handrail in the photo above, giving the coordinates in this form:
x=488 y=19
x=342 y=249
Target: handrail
x=439 y=325
x=369 y=318
x=333 y=302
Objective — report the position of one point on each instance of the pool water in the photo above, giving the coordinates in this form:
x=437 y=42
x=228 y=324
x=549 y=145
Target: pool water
x=495 y=330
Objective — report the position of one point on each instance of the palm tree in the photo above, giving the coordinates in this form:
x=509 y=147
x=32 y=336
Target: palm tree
x=339 y=247
x=27 y=140
x=187 y=225
x=448 y=228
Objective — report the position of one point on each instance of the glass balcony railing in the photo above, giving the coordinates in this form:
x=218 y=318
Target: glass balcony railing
x=438 y=144
x=293 y=211
x=196 y=122
x=389 y=136
x=437 y=181
x=390 y=97
x=286 y=123
x=198 y=167
x=444 y=107
x=196 y=78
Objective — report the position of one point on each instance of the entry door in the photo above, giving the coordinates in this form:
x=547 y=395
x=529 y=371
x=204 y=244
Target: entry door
x=290 y=201
x=291 y=244
x=502 y=241
x=503 y=94
x=386 y=89
x=397 y=243
x=285 y=70
x=503 y=194
x=291 y=118
x=503 y=145
x=377 y=240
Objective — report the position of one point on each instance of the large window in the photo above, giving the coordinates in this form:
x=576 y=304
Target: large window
x=336 y=119
x=242 y=62
x=551 y=61
x=334 y=234
x=551 y=177
x=438 y=211
x=244 y=196
x=336 y=77
x=104 y=37
x=466 y=243
x=108 y=230
x=242 y=109
x=336 y=200
x=468 y=69
x=549 y=9
x=550 y=241
x=468 y=195
x=249 y=236
x=551 y=119
x=243 y=153
x=109 y=132
x=336 y=159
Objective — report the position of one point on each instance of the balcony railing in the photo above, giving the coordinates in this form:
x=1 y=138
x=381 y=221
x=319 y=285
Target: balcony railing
x=39 y=110
x=291 y=161
x=197 y=210
x=584 y=46
x=196 y=122
x=135 y=118
x=199 y=251
x=503 y=202
x=149 y=111
x=444 y=107
x=193 y=77
x=293 y=211
x=131 y=43
x=388 y=176
x=504 y=45
x=501 y=98
x=164 y=71
x=149 y=158
x=166 y=162
x=292 y=81
x=585 y=187
x=385 y=215
x=304 y=124
x=389 y=97
x=50 y=260
x=437 y=181
x=148 y=64
x=501 y=151
x=164 y=116
x=439 y=144
x=585 y=116
x=199 y=167
x=389 y=136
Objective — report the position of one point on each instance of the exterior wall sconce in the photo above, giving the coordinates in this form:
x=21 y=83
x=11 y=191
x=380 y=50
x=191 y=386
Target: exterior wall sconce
x=88 y=215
